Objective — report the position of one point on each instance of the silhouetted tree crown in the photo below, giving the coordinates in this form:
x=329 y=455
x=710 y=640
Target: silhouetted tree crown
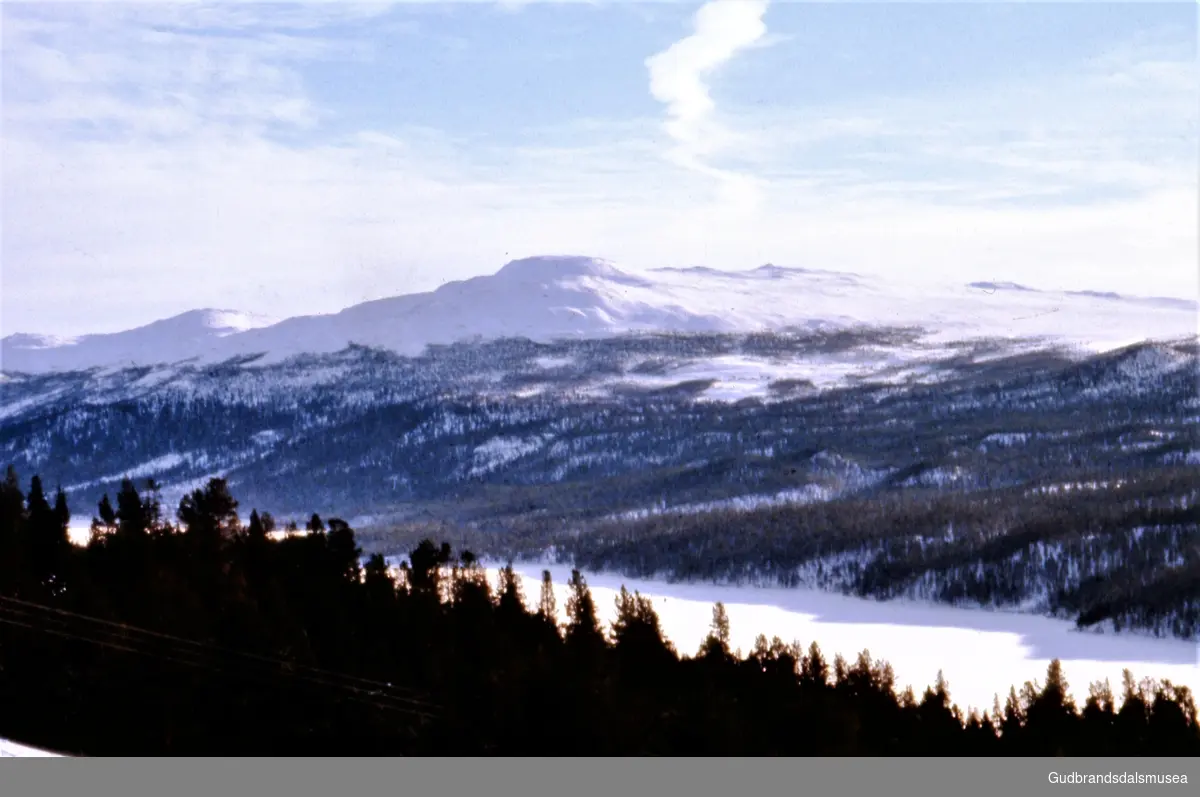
x=229 y=641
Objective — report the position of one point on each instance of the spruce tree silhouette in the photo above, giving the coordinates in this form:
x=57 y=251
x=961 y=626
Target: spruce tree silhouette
x=226 y=641
x=511 y=601
x=644 y=657
x=133 y=516
x=47 y=537
x=547 y=605
x=105 y=522
x=427 y=561
x=1099 y=719
x=12 y=525
x=344 y=551
x=1012 y=724
x=583 y=628
x=1172 y=713
x=715 y=647
x=209 y=515
x=1050 y=714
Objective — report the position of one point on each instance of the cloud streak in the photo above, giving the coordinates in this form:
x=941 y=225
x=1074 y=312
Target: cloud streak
x=678 y=79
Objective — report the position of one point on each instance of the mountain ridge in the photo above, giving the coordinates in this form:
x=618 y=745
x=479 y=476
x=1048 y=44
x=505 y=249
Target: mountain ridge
x=554 y=297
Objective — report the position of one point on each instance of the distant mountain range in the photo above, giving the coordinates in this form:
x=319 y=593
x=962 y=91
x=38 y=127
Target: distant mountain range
x=571 y=298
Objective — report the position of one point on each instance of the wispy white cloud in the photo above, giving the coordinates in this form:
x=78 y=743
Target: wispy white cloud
x=678 y=79
x=161 y=70
x=153 y=163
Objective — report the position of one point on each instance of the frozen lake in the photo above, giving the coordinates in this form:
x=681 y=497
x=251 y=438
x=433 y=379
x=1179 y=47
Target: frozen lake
x=980 y=652
x=10 y=749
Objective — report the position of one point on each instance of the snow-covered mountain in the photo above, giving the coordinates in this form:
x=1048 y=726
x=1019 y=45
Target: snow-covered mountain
x=572 y=297
x=197 y=333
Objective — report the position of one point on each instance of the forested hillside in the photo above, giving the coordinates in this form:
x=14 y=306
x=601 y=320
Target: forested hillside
x=194 y=634
x=984 y=473
x=1120 y=551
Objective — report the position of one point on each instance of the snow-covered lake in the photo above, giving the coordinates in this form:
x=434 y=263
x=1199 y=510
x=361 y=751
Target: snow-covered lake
x=10 y=749
x=980 y=652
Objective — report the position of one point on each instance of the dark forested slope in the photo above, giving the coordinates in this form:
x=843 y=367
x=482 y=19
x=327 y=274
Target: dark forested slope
x=204 y=636
x=988 y=472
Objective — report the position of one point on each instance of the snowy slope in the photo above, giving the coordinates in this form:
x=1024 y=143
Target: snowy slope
x=10 y=749
x=558 y=297
x=196 y=333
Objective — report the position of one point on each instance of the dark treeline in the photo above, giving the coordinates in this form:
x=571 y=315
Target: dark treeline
x=200 y=635
x=1126 y=553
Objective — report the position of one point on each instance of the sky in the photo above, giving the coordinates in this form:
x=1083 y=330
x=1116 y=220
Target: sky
x=289 y=159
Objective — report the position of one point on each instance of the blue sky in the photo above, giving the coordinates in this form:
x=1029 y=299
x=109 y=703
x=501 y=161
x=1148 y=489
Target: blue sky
x=299 y=158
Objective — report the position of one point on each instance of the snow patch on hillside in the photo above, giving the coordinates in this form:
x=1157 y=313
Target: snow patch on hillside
x=500 y=451
x=1005 y=440
x=191 y=335
x=552 y=363
x=146 y=469
x=15 y=408
x=808 y=494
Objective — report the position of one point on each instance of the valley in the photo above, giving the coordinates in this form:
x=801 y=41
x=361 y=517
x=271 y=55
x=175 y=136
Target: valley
x=942 y=462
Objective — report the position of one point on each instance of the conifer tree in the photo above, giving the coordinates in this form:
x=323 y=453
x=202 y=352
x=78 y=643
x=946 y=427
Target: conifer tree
x=1134 y=714
x=132 y=519
x=62 y=514
x=1172 y=714
x=255 y=530
x=626 y=614
x=105 y=522
x=583 y=628
x=716 y=645
x=36 y=505
x=424 y=576
x=642 y=651
x=58 y=540
x=344 y=551
x=152 y=506
x=1012 y=722
x=378 y=582
x=12 y=522
x=46 y=534
x=210 y=514
x=1100 y=700
x=256 y=551
x=547 y=605
x=511 y=601
x=12 y=500
x=814 y=671
x=487 y=684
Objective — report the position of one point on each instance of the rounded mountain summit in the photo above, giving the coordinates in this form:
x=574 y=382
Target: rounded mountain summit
x=554 y=297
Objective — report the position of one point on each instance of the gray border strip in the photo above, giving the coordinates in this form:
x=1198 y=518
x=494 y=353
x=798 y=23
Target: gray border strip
x=132 y=777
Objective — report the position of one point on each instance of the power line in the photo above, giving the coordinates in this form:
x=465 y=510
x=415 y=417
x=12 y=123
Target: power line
x=415 y=696
x=34 y=617
x=369 y=699
x=372 y=700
